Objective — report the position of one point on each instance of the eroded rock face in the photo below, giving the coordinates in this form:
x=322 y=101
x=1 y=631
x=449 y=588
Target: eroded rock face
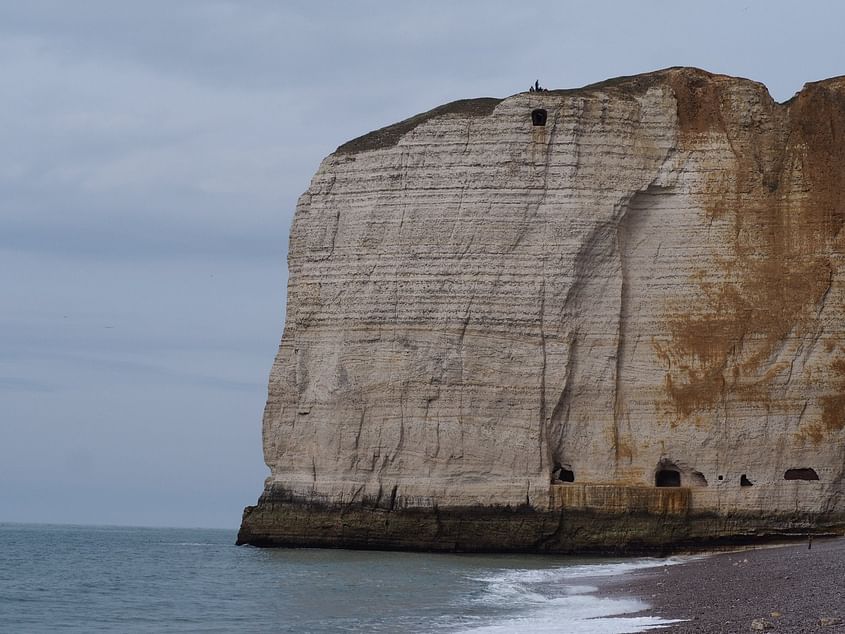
x=483 y=312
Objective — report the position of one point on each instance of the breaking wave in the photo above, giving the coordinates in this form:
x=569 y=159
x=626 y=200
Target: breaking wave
x=562 y=600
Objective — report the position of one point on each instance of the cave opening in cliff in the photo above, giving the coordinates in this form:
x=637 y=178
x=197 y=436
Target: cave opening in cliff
x=745 y=482
x=801 y=474
x=667 y=478
x=563 y=474
x=538 y=116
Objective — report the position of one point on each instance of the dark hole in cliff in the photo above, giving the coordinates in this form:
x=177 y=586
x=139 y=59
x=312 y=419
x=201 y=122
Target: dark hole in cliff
x=745 y=482
x=667 y=478
x=538 y=116
x=721 y=477
x=563 y=474
x=800 y=474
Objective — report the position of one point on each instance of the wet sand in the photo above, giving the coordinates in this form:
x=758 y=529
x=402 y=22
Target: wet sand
x=791 y=587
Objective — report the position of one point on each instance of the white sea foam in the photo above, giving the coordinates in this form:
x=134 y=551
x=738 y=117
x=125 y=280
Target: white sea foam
x=562 y=623
x=566 y=573
x=558 y=600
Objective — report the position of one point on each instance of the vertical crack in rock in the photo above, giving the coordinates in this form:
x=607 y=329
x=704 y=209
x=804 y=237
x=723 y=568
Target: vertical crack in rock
x=334 y=226
x=638 y=248
x=559 y=419
x=544 y=419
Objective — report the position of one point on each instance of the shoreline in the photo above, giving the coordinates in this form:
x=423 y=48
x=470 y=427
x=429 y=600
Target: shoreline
x=788 y=585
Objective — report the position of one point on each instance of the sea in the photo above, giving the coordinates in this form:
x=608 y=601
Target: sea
x=118 y=579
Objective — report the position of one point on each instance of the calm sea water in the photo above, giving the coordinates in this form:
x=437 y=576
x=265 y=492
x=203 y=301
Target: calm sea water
x=110 y=579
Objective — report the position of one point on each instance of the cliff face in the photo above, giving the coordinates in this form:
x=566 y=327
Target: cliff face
x=504 y=335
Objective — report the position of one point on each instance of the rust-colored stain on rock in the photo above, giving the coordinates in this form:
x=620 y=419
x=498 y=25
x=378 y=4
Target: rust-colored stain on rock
x=699 y=103
x=783 y=195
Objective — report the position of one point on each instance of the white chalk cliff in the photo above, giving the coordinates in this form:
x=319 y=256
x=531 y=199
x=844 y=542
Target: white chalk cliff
x=510 y=320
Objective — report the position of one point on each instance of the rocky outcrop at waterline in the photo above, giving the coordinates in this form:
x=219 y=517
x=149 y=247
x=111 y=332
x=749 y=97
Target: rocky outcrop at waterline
x=598 y=319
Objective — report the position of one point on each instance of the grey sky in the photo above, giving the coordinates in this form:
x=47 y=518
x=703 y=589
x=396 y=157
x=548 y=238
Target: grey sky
x=152 y=154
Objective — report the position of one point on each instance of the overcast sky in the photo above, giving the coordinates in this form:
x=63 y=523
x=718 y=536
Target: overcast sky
x=152 y=154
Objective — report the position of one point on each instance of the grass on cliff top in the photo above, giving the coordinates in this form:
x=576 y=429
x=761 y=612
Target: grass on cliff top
x=390 y=135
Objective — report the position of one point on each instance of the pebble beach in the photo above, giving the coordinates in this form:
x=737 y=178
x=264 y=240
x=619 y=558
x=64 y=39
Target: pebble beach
x=785 y=588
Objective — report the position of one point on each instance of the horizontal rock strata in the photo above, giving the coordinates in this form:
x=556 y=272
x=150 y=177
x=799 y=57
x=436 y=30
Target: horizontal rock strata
x=511 y=323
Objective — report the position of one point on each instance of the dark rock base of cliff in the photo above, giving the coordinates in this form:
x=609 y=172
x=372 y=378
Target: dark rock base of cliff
x=279 y=522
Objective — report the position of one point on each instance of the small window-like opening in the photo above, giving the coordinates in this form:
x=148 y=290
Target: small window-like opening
x=538 y=116
x=800 y=474
x=563 y=474
x=745 y=482
x=721 y=477
x=667 y=478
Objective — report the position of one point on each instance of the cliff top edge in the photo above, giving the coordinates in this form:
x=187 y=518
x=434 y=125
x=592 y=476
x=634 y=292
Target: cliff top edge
x=390 y=135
